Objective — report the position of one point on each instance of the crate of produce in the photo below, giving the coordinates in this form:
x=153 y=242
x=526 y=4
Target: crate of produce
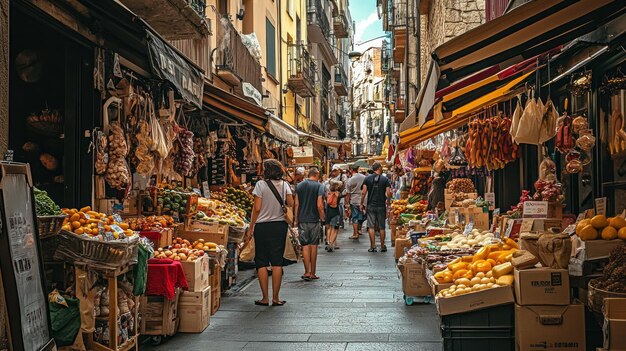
x=108 y=255
x=490 y=329
x=49 y=225
x=159 y=316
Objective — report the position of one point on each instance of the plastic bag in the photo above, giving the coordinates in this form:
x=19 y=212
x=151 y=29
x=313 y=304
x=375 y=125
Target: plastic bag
x=529 y=125
x=160 y=145
x=554 y=250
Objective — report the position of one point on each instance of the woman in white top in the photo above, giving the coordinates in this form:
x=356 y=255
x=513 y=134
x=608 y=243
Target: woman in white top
x=269 y=228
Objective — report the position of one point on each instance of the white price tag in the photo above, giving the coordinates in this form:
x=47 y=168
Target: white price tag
x=535 y=209
x=468 y=228
x=116 y=228
x=570 y=230
x=601 y=206
x=491 y=198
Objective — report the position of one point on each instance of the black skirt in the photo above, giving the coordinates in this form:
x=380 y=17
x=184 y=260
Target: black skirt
x=269 y=244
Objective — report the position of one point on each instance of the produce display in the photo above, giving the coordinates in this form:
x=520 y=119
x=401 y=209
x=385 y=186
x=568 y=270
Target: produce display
x=548 y=191
x=150 y=223
x=461 y=185
x=489 y=143
x=237 y=197
x=614 y=275
x=183 y=250
x=222 y=213
x=435 y=259
x=420 y=183
x=173 y=199
x=474 y=238
x=96 y=225
x=490 y=267
x=399 y=207
x=600 y=227
x=44 y=206
x=184 y=154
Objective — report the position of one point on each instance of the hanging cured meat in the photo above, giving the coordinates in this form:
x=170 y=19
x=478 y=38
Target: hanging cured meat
x=489 y=143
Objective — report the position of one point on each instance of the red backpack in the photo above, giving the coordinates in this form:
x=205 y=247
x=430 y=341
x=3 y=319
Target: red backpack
x=332 y=199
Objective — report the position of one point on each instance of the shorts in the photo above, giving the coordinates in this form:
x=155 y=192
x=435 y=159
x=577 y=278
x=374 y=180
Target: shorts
x=357 y=216
x=376 y=217
x=310 y=233
x=334 y=216
x=269 y=244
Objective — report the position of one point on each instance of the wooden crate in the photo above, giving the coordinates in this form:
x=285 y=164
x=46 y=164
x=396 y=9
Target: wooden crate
x=220 y=238
x=215 y=281
x=159 y=316
x=449 y=198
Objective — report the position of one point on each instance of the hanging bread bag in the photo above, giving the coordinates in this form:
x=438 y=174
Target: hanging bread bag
x=548 y=122
x=530 y=124
x=515 y=119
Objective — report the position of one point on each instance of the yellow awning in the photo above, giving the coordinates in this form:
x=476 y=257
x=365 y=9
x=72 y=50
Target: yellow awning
x=457 y=117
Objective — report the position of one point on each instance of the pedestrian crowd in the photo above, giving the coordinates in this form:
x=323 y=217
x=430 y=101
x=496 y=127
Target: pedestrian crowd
x=321 y=204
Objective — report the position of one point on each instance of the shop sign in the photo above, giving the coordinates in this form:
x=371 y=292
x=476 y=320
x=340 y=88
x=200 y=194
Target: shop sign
x=302 y=151
x=169 y=65
x=601 y=206
x=250 y=91
x=535 y=209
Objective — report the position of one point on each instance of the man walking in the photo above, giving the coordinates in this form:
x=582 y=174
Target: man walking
x=309 y=212
x=376 y=190
x=354 y=186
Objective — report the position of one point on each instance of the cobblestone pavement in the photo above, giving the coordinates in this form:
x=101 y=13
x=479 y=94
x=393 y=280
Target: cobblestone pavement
x=357 y=304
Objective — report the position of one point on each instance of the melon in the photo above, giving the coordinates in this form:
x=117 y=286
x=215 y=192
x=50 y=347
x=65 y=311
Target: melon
x=599 y=221
x=622 y=233
x=582 y=224
x=588 y=233
x=617 y=222
x=609 y=233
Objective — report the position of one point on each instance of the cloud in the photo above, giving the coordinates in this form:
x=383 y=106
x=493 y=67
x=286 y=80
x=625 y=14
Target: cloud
x=362 y=25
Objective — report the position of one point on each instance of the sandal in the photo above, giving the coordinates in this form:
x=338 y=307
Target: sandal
x=306 y=278
x=383 y=248
x=372 y=249
x=354 y=237
x=260 y=303
x=314 y=277
x=278 y=303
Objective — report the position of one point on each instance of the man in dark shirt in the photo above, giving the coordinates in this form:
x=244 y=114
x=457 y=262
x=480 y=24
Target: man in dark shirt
x=309 y=213
x=376 y=191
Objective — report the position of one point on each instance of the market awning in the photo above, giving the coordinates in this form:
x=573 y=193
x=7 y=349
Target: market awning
x=320 y=140
x=458 y=117
x=224 y=103
x=522 y=33
x=282 y=130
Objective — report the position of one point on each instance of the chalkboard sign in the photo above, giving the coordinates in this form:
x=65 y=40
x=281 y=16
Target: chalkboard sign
x=20 y=260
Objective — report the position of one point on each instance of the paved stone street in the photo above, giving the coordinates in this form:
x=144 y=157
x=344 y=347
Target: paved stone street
x=356 y=305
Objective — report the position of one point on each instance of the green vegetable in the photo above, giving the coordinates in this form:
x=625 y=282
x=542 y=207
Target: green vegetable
x=44 y=206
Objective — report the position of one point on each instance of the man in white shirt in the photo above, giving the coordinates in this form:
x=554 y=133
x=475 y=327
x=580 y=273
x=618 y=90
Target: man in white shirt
x=354 y=185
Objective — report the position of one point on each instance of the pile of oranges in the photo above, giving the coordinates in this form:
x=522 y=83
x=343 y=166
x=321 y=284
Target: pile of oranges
x=92 y=223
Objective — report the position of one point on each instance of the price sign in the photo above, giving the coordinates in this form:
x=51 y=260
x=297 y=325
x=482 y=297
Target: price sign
x=570 y=230
x=496 y=212
x=601 y=206
x=205 y=189
x=468 y=228
x=491 y=198
x=535 y=209
x=527 y=225
x=580 y=217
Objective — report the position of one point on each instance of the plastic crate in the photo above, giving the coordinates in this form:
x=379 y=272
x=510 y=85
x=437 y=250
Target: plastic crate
x=502 y=316
x=488 y=341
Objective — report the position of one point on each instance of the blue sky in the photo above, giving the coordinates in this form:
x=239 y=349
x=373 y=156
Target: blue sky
x=368 y=25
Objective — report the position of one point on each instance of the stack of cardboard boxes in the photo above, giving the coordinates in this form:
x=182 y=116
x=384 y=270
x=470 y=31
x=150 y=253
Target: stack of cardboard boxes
x=194 y=305
x=545 y=316
x=614 y=324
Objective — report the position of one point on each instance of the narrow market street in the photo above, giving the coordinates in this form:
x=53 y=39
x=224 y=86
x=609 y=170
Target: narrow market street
x=356 y=305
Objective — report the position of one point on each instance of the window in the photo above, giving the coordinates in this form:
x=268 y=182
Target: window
x=270 y=47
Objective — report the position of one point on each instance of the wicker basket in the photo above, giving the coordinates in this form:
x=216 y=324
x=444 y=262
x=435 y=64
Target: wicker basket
x=49 y=225
x=95 y=253
x=596 y=297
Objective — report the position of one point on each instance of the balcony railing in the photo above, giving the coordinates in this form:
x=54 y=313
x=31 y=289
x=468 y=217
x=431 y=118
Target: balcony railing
x=341 y=82
x=233 y=60
x=399 y=13
x=173 y=19
x=341 y=26
x=300 y=70
x=317 y=16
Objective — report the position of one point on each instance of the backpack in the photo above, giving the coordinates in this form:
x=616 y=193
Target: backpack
x=332 y=199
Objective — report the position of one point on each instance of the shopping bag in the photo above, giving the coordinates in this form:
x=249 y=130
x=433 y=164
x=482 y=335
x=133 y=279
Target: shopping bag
x=548 y=122
x=516 y=118
x=530 y=124
x=292 y=246
x=247 y=251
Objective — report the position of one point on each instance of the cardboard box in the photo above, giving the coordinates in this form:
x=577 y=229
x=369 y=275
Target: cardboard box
x=414 y=281
x=437 y=286
x=211 y=227
x=475 y=300
x=194 y=309
x=220 y=238
x=550 y=327
x=478 y=215
x=542 y=286
x=449 y=198
x=159 y=238
x=197 y=273
x=401 y=244
x=594 y=249
x=614 y=324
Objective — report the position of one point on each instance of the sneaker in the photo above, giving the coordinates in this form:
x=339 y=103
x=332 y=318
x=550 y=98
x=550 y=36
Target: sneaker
x=372 y=249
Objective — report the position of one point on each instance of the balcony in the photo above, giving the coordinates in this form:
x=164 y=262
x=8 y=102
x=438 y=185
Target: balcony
x=341 y=25
x=233 y=61
x=341 y=82
x=173 y=19
x=318 y=27
x=300 y=70
x=399 y=44
x=400 y=110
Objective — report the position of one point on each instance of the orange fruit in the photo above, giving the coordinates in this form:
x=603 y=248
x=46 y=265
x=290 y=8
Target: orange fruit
x=599 y=221
x=588 y=233
x=609 y=233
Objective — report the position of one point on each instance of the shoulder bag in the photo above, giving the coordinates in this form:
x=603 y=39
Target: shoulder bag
x=286 y=209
